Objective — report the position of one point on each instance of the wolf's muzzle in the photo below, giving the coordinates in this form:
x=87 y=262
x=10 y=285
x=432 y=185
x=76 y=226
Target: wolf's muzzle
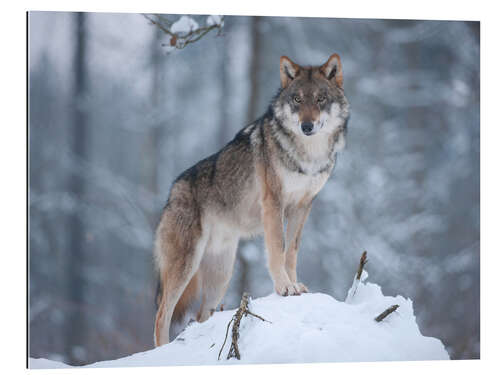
x=307 y=128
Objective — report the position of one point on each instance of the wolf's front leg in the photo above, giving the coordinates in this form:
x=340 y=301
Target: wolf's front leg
x=272 y=216
x=296 y=219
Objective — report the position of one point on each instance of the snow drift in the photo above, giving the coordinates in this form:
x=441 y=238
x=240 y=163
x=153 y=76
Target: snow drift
x=313 y=327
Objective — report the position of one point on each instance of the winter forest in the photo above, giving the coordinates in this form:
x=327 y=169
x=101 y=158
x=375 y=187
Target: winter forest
x=116 y=113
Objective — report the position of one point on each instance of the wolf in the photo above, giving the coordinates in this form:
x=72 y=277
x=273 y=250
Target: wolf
x=261 y=182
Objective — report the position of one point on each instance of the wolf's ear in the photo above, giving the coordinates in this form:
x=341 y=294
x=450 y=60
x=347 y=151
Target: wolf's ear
x=288 y=71
x=332 y=69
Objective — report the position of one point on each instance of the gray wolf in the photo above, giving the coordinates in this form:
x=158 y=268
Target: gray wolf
x=262 y=181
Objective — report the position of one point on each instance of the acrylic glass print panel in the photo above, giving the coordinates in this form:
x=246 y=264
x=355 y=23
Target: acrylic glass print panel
x=121 y=105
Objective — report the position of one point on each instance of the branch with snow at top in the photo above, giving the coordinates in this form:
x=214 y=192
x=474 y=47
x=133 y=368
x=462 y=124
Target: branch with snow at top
x=357 y=278
x=185 y=30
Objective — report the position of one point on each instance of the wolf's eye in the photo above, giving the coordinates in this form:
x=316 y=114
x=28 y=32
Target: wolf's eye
x=321 y=98
x=297 y=99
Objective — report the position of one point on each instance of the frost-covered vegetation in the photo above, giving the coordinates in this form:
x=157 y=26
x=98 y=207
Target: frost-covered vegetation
x=106 y=147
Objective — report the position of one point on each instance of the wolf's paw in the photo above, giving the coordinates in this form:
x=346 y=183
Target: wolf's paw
x=291 y=289
x=301 y=287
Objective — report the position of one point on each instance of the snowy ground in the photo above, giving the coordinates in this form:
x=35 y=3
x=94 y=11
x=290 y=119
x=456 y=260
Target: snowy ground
x=312 y=327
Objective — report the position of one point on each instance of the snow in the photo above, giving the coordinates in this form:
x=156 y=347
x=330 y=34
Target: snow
x=214 y=20
x=41 y=363
x=354 y=288
x=312 y=327
x=184 y=24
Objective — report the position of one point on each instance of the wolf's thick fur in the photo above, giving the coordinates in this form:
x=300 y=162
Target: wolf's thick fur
x=265 y=177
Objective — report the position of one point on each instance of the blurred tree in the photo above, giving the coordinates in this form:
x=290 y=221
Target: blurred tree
x=224 y=128
x=243 y=263
x=156 y=125
x=255 y=52
x=75 y=330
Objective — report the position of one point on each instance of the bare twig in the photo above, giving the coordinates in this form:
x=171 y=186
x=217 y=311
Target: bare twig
x=243 y=310
x=386 y=312
x=164 y=20
x=225 y=338
x=257 y=316
x=158 y=24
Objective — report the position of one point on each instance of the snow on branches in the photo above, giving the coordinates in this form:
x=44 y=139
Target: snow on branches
x=185 y=30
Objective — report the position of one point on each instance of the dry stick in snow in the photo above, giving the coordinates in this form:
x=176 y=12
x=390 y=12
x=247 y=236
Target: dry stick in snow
x=386 y=312
x=234 y=351
x=357 y=278
x=362 y=263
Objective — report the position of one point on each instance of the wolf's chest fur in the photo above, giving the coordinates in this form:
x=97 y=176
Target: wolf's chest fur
x=297 y=186
x=313 y=156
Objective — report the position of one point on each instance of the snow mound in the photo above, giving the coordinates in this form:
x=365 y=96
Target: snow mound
x=312 y=327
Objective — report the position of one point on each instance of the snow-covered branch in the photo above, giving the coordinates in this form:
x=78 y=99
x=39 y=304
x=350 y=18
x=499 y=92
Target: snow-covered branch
x=185 y=30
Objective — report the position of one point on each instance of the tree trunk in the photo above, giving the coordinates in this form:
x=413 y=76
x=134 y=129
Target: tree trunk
x=76 y=322
x=254 y=68
x=153 y=138
x=255 y=52
x=224 y=128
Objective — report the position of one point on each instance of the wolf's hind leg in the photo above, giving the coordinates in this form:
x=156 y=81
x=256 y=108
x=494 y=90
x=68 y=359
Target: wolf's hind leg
x=187 y=307
x=174 y=283
x=179 y=252
x=216 y=269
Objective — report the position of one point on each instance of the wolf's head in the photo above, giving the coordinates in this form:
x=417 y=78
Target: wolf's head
x=311 y=102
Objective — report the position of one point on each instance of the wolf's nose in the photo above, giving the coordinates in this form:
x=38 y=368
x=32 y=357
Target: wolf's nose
x=307 y=127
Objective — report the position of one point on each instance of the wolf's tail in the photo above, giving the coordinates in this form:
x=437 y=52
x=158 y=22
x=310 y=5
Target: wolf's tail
x=158 y=293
